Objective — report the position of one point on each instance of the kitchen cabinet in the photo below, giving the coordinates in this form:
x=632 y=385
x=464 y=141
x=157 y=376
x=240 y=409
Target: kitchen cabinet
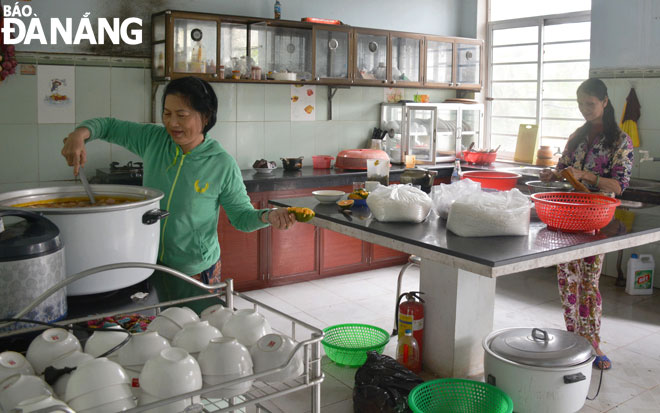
x=282 y=49
x=453 y=63
x=333 y=59
x=371 y=51
x=406 y=61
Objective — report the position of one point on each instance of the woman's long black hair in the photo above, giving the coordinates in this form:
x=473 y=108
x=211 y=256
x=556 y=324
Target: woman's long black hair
x=596 y=88
x=200 y=96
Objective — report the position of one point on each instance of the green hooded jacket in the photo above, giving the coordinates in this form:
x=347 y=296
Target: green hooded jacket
x=195 y=185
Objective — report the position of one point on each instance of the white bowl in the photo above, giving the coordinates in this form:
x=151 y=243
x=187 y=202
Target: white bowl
x=93 y=375
x=172 y=372
x=224 y=356
x=40 y=403
x=284 y=76
x=217 y=315
x=102 y=341
x=264 y=170
x=12 y=363
x=101 y=397
x=113 y=406
x=164 y=326
x=49 y=346
x=328 y=196
x=274 y=350
x=180 y=315
x=19 y=387
x=247 y=326
x=194 y=337
x=176 y=407
x=134 y=376
x=227 y=391
x=141 y=348
x=73 y=359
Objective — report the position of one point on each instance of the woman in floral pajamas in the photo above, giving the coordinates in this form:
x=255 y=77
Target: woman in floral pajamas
x=601 y=156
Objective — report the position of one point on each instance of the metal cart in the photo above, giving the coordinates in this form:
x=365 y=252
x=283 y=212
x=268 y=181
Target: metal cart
x=261 y=394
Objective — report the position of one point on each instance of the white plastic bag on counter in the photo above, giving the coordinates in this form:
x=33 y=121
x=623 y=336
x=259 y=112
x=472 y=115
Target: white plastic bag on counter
x=487 y=214
x=399 y=203
x=444 y=195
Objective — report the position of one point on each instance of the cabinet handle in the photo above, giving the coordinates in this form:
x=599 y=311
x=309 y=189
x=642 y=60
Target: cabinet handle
x=215 y=75
x=317 y=78
x=385 y=81
x=458 y=84
x=394 y=82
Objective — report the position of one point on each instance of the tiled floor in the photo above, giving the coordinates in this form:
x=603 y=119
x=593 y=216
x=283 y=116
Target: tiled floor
x=630 y=330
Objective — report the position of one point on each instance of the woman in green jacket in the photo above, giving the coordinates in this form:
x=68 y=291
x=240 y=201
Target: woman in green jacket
x=196 y=175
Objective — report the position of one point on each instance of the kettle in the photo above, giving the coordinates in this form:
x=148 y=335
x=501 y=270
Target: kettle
x=31 y=262
x=419 y=176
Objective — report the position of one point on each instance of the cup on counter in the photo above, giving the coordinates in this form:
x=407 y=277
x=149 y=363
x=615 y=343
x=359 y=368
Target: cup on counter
x=357 y=186
x=410 y=161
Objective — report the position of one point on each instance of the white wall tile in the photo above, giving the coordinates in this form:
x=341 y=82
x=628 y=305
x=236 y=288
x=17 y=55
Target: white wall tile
x=250 y=103
x=302 y=141
x=277 y=137
x=19 y=99
x=127 y=94
x=226 y=93
x=277 y=103
x=92 y=92
x=326 y=139
x=354 y=134
x=648 y=93
x=250 y=143
x=17 y=186
x=347 y=104
x=322 y=103
x=225 y=133
x=19 y=161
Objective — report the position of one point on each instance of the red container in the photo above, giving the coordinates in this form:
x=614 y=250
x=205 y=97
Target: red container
x=502 y=181
x=479 y=158
x=574 y=211
x=322 y=161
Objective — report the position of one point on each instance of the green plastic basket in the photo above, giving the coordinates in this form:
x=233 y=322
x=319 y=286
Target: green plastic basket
x=458 y=396
x=347 y=344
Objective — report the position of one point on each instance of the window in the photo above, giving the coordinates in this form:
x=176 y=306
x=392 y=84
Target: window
x=536 y=65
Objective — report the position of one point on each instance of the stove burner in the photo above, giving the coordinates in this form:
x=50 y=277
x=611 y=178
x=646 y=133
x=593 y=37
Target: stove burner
x=129 y=174
x=130 y=166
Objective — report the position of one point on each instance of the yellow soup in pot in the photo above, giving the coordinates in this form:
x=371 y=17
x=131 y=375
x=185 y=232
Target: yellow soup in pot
x=77 y=202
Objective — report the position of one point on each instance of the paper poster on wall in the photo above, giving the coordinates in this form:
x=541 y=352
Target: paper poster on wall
x=303 y=102
x=392 y=94
x=56 y=91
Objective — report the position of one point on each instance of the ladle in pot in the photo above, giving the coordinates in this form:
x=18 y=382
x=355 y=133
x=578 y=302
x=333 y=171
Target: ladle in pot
x=85 y=183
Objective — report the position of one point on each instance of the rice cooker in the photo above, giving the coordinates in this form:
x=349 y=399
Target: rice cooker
x=31 y=261
x=542 y=370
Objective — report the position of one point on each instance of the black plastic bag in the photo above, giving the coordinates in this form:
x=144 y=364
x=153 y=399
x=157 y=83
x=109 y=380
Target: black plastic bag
x=382 y=385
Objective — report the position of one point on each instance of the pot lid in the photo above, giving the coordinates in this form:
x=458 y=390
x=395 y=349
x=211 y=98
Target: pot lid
x=30 y=238
x=541 y=347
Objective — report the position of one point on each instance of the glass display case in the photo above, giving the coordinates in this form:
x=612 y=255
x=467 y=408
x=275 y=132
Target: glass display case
x=277 y=49
x=234 y=50
x=195 y=45
x=439 y=62
x=406 y=59
x=332 y=53
x=468 y=64
x=371 y=56
x=433 y=132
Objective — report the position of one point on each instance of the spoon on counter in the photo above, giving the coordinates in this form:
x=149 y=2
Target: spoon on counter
x=85 y=183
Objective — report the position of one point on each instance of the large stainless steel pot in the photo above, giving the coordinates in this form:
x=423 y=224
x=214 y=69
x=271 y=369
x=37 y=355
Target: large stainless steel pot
x=31 y=261
x=419 y=176
x=100 y=235
x=542 y=370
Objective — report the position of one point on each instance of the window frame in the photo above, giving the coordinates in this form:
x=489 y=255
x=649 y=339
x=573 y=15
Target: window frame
x=540 y=22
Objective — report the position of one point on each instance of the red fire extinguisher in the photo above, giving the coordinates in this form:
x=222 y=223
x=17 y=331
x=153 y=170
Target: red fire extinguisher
x=411 y=316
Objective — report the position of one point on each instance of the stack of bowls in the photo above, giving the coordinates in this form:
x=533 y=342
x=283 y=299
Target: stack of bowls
x=217 y=315
x=99 y=385
x=223 y=360
x=73 y=359
x=246 y=326
x=272 y=351
x=20 y=387
x=195 y=336
x=42 y=403
x=170 y=321
x=12 y=363
x=134 y=354
x=102 y=341
x=49 y=346
x=171 y=373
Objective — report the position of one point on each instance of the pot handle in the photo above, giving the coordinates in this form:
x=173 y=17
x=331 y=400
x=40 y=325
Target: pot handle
x=544 y=334
x=153 y=216
x=574 y=378
x=28 y=215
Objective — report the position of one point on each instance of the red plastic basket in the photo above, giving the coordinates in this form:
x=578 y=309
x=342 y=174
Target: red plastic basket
x=574 y=211
x=502 y=181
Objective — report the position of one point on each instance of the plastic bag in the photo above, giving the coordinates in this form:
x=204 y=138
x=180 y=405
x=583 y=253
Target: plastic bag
x=399 y=203
x=445 y=194
x=382 y=385
x=487 y=214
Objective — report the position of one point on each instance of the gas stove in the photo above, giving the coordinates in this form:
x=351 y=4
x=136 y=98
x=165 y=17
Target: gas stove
x=129 y=174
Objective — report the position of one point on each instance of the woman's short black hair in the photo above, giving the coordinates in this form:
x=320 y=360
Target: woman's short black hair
x=200 y=96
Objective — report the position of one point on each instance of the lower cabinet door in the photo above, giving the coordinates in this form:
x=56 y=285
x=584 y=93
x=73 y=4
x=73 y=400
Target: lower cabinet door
x=386 y=255
x=340 y=252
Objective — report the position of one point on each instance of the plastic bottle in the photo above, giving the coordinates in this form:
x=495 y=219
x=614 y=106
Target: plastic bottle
x=278 y=9
x=456 y=173
x=639 y=277
x=407 y=352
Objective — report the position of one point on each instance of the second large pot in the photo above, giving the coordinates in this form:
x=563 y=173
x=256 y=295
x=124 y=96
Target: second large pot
x=542 y=370
x=99 y=235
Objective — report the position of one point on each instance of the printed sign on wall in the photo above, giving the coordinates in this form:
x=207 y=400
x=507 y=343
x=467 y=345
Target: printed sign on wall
x=303 y=102
x=56 y=91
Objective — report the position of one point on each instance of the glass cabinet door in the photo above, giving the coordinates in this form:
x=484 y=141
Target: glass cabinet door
x=439 y=62
x=391 y=117
x=468 y=63
x=332 y=57
x=277 y=49
x=234 y=49
x=471 y=124
x=406 y=58
x=447 y=131
x=420 y=126
x=371 y=57
x=195 y=45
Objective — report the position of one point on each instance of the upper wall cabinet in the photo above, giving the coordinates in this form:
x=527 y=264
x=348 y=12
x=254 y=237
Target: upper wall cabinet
x=407 y=53
x=372 y=55
x=333 y=61
x=280 y=53
x=453 y=63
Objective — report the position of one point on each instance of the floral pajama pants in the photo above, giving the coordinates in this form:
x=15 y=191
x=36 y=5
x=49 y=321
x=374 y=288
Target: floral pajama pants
x=580 y=297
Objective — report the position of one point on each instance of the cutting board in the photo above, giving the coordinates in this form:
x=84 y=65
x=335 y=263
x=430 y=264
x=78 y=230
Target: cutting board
x=527 y=144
